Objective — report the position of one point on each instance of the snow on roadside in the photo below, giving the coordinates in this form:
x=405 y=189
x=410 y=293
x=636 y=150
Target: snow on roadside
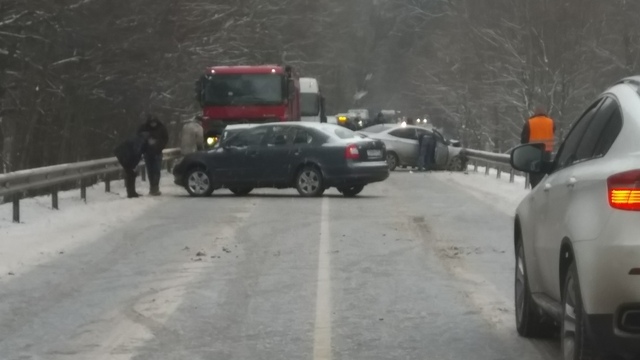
x=499 y=193
x=45 y=233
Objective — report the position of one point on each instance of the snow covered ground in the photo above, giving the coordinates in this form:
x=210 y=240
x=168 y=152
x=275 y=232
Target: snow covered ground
x=499 y=193
x=45 y=233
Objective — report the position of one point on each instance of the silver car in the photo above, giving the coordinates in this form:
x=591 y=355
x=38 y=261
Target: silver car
x=577 y=234
x=402 y=146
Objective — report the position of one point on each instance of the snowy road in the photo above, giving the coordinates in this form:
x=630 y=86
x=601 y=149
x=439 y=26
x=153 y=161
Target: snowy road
x=418 y=267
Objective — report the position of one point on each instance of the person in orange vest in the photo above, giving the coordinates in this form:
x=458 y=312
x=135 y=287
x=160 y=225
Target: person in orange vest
x=539 y=128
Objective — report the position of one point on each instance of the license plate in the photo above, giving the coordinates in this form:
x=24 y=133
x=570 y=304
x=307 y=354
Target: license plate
x=374 y=154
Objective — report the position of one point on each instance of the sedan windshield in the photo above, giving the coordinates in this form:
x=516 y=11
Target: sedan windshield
x=244 y=89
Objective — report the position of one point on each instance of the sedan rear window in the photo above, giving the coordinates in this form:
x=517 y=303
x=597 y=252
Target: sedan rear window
x=375 y=129
x=344 y=133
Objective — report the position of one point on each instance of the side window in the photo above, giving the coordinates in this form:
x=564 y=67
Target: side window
x=302 y=136
x=251 y=137
x=279 y=136
x=567 y=154
x=587 y=146
x=609 y=133
x=405 y=133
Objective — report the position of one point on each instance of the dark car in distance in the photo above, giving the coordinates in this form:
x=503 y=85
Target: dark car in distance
x=307 y=156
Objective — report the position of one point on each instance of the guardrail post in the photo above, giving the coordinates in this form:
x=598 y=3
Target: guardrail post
x=512 y=176
x=143 y=173
x=169 y=165
x=486 y=169
x=83 y=190
x=499 y=170
x=527 y=183
x=16 y=208
x=54 y=198
x=475 y=166
x=107 y=183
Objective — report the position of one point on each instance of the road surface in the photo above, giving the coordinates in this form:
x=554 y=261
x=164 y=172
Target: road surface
x=415 y=268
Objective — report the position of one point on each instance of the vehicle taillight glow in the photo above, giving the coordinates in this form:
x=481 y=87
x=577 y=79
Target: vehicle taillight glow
x=351 y=152
x=624 y=190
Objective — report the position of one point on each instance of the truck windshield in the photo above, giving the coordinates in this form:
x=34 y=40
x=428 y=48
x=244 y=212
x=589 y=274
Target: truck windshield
x=243 y=89
x=309 y=104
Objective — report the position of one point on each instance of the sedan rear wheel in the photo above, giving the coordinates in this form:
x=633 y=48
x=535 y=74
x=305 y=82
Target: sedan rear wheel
x=199 y=183
x=392 y=161
x=309 y=182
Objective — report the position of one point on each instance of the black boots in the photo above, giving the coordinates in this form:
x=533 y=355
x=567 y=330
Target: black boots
x=130 y=184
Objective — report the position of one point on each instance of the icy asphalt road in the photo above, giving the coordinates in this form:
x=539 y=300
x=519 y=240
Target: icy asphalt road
x=415 y=268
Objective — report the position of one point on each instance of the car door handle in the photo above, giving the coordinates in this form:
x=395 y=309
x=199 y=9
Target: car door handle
x=572 y=182
x=547 y=187
x=296 y=152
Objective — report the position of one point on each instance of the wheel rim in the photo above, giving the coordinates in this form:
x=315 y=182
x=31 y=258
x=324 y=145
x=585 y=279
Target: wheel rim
x=569 y=322
x=520 y=285
x=456 y=164
x=309 y=181
x=391 y=161
x=198 y=182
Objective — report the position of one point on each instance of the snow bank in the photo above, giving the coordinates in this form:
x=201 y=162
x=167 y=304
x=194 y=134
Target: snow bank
x=499 y=193
x=46 y=233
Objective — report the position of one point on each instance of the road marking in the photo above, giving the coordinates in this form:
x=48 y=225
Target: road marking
x=322 y=331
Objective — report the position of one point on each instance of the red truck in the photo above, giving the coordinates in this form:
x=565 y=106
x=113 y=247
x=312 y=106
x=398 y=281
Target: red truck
x=247 y=94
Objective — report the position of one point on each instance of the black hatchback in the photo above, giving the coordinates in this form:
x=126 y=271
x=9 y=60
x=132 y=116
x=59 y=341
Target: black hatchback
x=310 y=157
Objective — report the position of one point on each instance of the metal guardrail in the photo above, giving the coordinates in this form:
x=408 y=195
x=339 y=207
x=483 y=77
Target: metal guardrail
x=501 y=162
x=15 y=184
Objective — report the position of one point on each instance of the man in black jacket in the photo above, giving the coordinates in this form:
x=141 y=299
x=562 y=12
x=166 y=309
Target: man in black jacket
x=156 y=142
x=129 y=154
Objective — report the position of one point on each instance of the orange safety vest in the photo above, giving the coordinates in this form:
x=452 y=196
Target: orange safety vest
x=541 y=131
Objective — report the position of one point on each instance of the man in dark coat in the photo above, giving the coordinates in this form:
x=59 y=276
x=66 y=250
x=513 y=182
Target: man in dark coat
x=156 y=142
x=129 y=154
x=426 y=148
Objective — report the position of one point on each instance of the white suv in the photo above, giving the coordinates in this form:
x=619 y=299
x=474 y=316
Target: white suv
x=577 y=234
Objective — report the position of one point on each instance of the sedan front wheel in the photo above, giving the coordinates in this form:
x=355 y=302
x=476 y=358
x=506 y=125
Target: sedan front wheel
x=199 y=183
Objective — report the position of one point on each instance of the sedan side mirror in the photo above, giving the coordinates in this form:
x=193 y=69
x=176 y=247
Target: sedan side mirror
x=529 y=158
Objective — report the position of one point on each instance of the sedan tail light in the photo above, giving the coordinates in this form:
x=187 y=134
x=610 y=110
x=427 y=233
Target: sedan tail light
x=624 y=190
x=351 y=152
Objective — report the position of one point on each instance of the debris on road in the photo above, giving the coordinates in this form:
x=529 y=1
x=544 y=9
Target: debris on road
x=10 y=273
x=226 y=250
x=185 y=248
x=201 y=253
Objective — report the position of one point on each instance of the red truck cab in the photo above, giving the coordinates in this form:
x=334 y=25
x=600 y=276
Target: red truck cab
x=247 y=95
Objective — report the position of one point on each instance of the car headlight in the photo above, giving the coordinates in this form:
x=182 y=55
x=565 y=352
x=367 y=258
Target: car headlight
x=212 y=140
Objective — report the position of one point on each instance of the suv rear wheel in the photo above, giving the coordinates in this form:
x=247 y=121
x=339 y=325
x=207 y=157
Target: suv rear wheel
x=529 y=320
x=575 y=341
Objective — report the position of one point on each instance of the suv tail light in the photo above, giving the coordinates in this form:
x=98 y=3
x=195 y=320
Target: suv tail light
x=351 y=152
x=624 y=190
